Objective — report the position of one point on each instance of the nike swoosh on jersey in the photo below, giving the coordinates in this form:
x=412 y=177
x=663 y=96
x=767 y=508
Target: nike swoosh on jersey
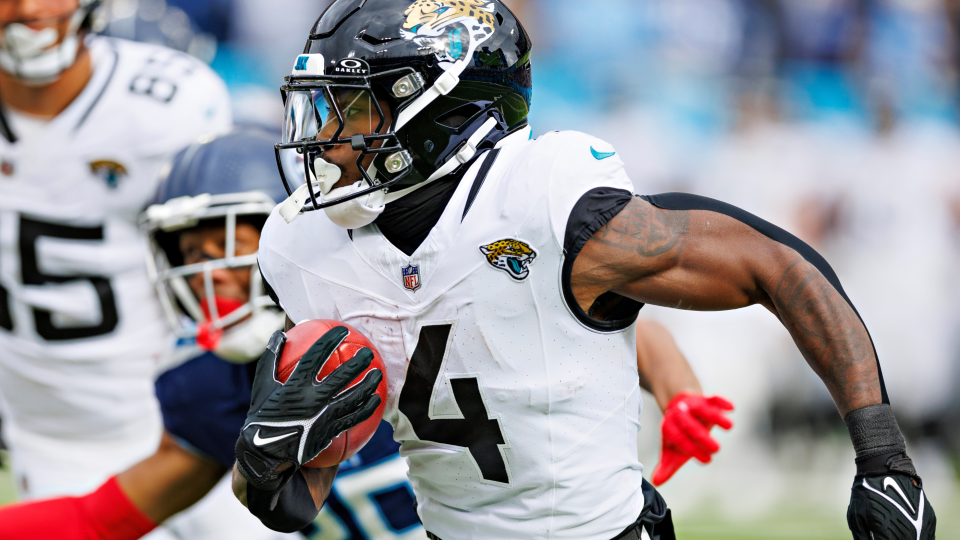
x=601 y=155
x=257 y=441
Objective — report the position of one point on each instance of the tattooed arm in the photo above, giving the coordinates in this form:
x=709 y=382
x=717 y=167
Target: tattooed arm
x=704 y=260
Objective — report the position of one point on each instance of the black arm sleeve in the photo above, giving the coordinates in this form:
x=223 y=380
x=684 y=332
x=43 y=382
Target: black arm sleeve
x=685 y=201
x=290 y=510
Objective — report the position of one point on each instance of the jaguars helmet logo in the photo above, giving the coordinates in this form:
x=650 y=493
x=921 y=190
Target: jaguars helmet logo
x=451 y=28
x=511 y=256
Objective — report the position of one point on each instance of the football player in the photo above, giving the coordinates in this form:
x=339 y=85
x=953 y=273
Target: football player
x=500 y=278
x=86 y=125
x=204 y=229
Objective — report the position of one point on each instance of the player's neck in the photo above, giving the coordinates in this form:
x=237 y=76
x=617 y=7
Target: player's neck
x=51 y=99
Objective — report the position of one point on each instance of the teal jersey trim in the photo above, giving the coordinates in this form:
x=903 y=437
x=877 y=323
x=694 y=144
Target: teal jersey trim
x=601 y=155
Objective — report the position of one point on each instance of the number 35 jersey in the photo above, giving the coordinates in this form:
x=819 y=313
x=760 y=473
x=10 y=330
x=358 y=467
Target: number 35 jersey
x=74 y=289
x=517 y=414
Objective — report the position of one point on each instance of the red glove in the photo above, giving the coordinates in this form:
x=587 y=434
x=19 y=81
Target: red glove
x=686 y=432
x=105 y=514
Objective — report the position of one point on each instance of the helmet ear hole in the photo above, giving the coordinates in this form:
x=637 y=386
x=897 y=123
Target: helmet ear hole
x=456 y=118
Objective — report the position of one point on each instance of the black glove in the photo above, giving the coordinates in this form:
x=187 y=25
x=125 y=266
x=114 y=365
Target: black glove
x=287 y=510
x=888 y=502
x=290 y=424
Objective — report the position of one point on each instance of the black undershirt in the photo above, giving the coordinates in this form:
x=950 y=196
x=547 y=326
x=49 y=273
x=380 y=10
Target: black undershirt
x=407 y=222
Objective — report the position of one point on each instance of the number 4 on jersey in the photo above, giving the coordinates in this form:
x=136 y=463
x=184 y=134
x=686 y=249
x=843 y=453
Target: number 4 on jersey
x=476 y=431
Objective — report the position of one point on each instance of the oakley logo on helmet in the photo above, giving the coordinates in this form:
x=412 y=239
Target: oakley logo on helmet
x=429 y=24
x=351 y=66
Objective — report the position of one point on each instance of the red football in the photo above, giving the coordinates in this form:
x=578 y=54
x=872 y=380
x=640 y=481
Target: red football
x=299 y=339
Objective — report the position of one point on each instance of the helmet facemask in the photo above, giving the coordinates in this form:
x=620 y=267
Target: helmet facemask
x=212 y=320
x=323 y=114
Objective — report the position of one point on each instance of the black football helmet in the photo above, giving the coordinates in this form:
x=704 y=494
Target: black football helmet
x=455 y=74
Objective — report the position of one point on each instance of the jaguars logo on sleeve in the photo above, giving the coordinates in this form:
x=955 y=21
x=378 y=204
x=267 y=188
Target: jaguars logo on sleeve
x=511 y=256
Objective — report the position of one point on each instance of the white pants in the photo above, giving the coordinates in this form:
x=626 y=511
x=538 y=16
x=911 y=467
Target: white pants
x=60 y=446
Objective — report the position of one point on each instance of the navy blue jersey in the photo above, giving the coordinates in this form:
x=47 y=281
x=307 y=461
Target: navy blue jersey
x=204 y=402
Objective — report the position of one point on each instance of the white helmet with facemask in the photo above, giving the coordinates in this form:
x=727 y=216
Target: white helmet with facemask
x=39 y=56
x=224 y=181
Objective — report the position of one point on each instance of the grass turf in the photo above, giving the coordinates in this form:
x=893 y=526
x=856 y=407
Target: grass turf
x=7 y=492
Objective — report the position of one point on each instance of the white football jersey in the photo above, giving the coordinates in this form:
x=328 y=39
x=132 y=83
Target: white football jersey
x=81 y=330
x=517 y=420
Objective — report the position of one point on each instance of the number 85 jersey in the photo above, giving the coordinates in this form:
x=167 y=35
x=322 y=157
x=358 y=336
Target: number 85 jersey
x=78 y=312
x=517 y=413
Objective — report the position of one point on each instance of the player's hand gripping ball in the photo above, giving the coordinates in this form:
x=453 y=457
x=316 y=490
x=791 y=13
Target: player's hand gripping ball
x=318 y=396
x=299 y=339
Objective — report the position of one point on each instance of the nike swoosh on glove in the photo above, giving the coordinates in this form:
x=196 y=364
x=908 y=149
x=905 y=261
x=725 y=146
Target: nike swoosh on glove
x=291 y=423
x=685 y=431
x=890 y=506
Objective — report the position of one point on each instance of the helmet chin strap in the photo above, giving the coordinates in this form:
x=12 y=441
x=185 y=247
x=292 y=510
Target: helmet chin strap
x=463 y=156
x=27 y=54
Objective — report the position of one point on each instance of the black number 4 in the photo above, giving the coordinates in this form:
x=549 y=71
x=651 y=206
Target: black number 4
x=475 y=431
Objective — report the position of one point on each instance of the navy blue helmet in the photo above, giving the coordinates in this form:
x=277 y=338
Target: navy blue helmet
x=237 y=162
x=217 y=181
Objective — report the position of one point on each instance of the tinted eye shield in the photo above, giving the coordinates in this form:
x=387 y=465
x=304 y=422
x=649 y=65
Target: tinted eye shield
x=311 y=104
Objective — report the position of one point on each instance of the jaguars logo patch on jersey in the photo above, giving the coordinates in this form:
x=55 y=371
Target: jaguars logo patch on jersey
x=110 y=171
x=511 y=256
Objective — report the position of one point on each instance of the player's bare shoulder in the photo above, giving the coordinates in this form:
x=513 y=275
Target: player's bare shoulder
x=157 y=97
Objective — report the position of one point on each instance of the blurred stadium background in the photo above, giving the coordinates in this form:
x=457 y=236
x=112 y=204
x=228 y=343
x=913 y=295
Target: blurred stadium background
x=838 y=120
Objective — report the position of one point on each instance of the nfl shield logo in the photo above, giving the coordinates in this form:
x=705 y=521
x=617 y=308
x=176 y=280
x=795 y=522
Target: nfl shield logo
x=411 y=278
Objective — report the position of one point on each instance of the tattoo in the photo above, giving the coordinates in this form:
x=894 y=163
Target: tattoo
x=648 y=231
x=829 y=334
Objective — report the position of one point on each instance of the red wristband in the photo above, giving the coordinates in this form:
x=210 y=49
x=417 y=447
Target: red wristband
x=112 y=515
x=105 y=514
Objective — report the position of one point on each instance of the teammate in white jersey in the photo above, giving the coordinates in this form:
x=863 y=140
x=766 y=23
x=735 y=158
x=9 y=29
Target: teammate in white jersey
x=87 y=124
x=219 y=188
x=501 y=278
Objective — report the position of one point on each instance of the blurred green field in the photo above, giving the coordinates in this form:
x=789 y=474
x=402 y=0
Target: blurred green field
x=6 y=480
x=711 y=525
